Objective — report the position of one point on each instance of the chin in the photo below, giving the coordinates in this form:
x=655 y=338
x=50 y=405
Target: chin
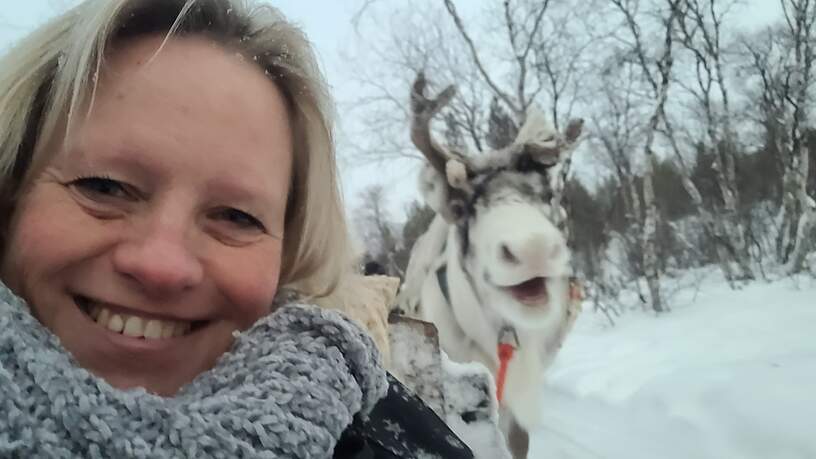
x=159 y=366
x=542 y=310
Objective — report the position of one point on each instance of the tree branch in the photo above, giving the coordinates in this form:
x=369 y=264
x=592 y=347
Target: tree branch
x=475 y=55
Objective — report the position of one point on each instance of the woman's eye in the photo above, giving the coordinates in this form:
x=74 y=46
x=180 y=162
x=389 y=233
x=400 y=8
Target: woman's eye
x=239 y=219
x=101 y=187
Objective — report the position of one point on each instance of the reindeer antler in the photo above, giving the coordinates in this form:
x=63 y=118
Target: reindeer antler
x=423 y=110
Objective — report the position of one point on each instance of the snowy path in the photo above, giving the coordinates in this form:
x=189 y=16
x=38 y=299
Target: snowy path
x=725 y=375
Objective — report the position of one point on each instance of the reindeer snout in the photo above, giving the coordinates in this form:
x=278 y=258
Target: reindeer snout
x=517 y=242
x=535 y=251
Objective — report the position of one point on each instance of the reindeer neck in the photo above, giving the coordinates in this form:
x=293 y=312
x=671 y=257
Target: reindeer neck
x=465 y=300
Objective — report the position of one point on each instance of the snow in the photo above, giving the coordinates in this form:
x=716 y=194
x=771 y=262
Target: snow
x=415 y=360
x=455 y=391
x=726 y=374
x=469 y=388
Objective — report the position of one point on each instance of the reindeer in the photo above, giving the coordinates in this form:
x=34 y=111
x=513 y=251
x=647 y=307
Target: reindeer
x=494 y=264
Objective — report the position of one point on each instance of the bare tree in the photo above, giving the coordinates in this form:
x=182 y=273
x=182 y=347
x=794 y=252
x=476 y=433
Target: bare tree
x=521 y=41
x=799 y=207
x=617 y=124
x=657 y=73
x=782 y=60
x=546 y=48
x=419 y=39
x=644 y=107
x=527 y=52
x=701 y=27
x=377 y=229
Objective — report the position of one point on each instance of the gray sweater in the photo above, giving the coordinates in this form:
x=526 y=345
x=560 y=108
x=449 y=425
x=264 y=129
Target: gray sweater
x=289 y=387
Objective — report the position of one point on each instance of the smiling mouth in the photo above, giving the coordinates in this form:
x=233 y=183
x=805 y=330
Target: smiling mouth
x=134 y=326
x=532 y=292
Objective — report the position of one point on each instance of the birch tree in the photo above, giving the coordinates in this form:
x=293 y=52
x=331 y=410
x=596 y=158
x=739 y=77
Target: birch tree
x=545 y=57
x=657 y=72
x=782 y=62
x=798 y=206
x=701 y=27
x=377 y=229
x=616 y=127
x=513 y=56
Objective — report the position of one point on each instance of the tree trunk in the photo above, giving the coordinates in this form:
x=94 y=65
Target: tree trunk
x=799 y=207
x=710 y=224
x=650 y=265
x=807 y=218
x=784 y=221
x=733 y=231
x=714 y=228
x=734 y=227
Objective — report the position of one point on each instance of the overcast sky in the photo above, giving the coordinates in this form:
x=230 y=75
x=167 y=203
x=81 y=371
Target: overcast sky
x=328 y=23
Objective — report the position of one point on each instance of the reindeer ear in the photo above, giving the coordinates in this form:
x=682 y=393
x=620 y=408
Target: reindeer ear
x=574 y=129
x=536 y=129
x=537 y=139
x=456 y=174
x=444 y=198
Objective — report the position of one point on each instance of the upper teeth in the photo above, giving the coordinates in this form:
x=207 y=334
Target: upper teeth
x=137 y=327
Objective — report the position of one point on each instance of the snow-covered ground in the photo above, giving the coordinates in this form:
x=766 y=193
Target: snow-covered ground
x=726 y=374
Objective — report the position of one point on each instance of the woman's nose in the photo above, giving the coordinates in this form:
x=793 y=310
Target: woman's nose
x=160 y=261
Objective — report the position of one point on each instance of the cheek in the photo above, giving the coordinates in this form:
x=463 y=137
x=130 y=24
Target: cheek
x=248 y=278
x=42 y=239
x=478 y=241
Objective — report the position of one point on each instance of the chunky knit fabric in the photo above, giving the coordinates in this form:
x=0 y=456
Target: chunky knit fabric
x=287 y=389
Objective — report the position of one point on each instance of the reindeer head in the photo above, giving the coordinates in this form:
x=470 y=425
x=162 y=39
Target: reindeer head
x=504 y=205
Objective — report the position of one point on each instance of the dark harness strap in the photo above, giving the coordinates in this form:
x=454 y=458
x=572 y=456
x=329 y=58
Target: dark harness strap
x=442 y=279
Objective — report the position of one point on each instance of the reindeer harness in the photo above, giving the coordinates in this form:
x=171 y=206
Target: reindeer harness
x=508 y=342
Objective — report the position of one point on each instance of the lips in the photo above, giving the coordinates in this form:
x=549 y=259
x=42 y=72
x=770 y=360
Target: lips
x=532 y=292
x=131 y=324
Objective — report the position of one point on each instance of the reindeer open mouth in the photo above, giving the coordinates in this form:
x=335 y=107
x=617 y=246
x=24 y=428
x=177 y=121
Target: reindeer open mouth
x=532 y=292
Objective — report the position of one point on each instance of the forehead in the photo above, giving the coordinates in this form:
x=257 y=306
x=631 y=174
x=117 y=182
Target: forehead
x=193 y=81
x=187 y=73
x=505 y=185
x=194 y=108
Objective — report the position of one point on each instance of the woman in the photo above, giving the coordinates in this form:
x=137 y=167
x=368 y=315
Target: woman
x=168 y=201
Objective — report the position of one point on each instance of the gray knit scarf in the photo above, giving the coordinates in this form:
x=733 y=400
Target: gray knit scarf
x=288 y=388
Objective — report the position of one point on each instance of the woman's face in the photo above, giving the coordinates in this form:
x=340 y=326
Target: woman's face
x=158 y=230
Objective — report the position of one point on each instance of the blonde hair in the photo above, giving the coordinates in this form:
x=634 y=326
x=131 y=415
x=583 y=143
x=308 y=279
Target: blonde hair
x=51 y=74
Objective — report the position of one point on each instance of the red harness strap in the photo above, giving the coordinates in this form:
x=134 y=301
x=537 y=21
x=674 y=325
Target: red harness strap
x=505 y=354
x=508 y=343
x=576 y=292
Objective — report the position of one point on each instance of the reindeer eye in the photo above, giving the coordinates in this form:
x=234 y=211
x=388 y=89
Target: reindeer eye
x=524 y=162
x=457 y=209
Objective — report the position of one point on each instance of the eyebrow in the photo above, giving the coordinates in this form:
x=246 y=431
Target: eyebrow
x=237 y=190
x=124 y=158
